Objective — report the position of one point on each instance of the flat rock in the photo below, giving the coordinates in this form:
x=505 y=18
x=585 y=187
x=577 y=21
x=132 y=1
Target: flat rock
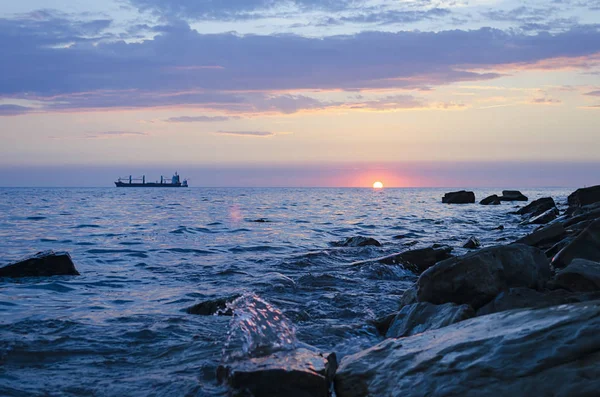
x=584 y=196
x=537 y=207
x=579 y=275
x=357 y=241
x=295 y=373
x=460 y=197
x=546 y=235
x=476 y=278
x=585 y=246
x=417 y=261
x=491 y=200
x=42 y=264
x=545 y=217
x=472 y=243
x=513 y=195
x=211 y=307
x=530 y=352
x=420 y=317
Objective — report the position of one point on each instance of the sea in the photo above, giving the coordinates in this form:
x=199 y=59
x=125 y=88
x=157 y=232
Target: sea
x=145 y=255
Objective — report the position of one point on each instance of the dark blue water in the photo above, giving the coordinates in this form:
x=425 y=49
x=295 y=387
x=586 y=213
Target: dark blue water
x=145 y=255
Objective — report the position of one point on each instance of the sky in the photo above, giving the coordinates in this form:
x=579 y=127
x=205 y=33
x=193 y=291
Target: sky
x=301 y=92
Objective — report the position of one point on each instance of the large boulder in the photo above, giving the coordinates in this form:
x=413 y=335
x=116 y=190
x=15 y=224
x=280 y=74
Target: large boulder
x=417 y=261
x=537 y=207
x=542 y=352
x=460 y=197
x=42 y=264
x=545 y=217
x=513 y=195
x=491 y=200
x=584 y=196
x=544 y=236
x=423 y=316
x=586 y=246
x=295 y=373
x=580 y=275
x=357 y=241
x=211 y=307
x=476 y=278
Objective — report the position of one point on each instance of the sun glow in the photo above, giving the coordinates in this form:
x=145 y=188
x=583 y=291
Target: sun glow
x=378 y=185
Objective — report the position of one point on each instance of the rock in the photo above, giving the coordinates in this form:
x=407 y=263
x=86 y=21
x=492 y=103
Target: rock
x=579 y=275
x=476 y=278
x=295 y=373
x=537 y=207
x=584 y=196
x=472 y=243
x=417 y=261
x=513 y=195
x=357 y=241
x=491 y=200
x=541 y=352
x=544 y=218
x=423 y=316
x=409 y=296
x=520 y=298
x=585 y=216
x=501 y=227
x=586 y=246
x=460 y=197
x=555 y=249
x=214 y=306
x=261 y=220
x=42 y=264
x=545 y=235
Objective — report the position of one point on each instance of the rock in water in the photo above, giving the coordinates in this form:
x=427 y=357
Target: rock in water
x=580 y=275
x=357 y=241
x=543 y=352
x=42 y=264
x=513 y=195
x=491 y=200
x=423 y=316
x=472 y=243
x=460 y=197
x=214 y=306
x=537 y=207
x=417 y=261
x=584 y=196
x=545 y=217
x=295 y=373
x=476 y=278
x=586 y=246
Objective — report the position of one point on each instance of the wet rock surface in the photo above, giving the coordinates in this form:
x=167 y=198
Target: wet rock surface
x=417 y=261
x=586 y=246
x=584 y=196
x=537 y=207
x=211 y=307
x=459 y=197
x=420 y=317
x=579 y=275
x=545 y=217
x=547 y=235
x=42 y=264
x=550 y=351
x=472 y=243
x=491 y=200
x=513 y=195
x=357 y=241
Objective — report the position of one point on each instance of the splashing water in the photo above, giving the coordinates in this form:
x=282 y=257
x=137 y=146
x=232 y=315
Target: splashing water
x=257 y=329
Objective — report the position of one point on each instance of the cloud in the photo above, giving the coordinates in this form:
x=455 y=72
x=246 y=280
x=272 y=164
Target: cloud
x=545 y=101
x=200 y=119
x=14 y=110
x=594 y=93
x=114 y=134
x=388 y=17
x=262 y=134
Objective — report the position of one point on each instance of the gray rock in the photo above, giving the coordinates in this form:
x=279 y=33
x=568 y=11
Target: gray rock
x=423 y=316
x=476 y=278
x=460 y=197
x=417 y=261
x=555 y=249
x=295 y=373
x=409 y=296
x=586 y=246
x=583 y=216
x=213 y=306
x=584 y=196
x=580 y=275
x=513 y=195
x=537 y=207
x=543 y=352
x=544 y=218
x=42 y=264
x=357 y=241
x=546 y=235
x=472 y=243
x=491 y=200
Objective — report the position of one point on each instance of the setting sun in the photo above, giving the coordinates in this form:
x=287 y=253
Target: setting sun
x=378 y=185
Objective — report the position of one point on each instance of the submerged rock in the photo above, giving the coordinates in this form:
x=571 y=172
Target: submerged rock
x=491 y=200
x=586 y=246
x=476 y=278
x=584 y=196
x=552 y=351
x=423 y=316
x=357 y=241
x=460 y=197
x=213 y=306
x=417 y=261
x=513 y=195
x=296 y=373
x=579 y=275
x=42 y=264
x=472 y=243
x=537 y=207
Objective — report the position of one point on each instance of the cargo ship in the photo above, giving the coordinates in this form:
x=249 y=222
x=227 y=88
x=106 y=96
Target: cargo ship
x=141 y=182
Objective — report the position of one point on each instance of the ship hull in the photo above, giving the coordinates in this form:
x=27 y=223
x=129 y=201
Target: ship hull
x=123 y=184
